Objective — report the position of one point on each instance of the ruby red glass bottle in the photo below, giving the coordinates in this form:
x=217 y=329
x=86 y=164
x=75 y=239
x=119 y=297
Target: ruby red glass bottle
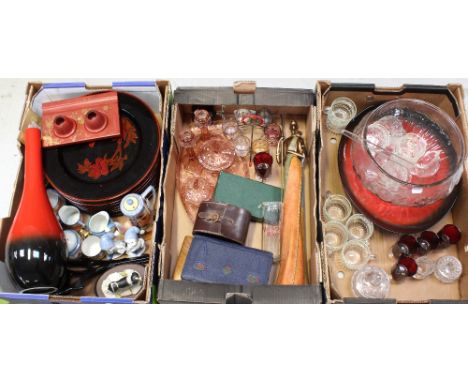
x=35 y=248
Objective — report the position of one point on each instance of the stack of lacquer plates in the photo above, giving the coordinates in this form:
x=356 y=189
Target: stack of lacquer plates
x=96 y=175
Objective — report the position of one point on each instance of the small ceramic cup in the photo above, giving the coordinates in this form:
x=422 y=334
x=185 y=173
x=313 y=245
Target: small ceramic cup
x=73 y=240
x=91 y=248
x=55 y=199
x=100 y=223
x=70 y=217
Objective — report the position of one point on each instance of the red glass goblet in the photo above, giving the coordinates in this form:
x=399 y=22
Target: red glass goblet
x=263 y=162
x=399 y=272
x=449 y=235
x=428 y=241
x=410 y=264
x=406 y=245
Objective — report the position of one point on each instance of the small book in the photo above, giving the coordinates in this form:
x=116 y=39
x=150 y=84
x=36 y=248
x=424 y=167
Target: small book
x=215 y=261
x=245 y=193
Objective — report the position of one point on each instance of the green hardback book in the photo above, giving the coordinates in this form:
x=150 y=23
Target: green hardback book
x=245 y=193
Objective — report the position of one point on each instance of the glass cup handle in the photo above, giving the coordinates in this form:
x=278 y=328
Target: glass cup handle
x=150 y=190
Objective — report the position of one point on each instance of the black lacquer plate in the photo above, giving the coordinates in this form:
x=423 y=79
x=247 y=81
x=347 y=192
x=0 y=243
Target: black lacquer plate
x=99 y=173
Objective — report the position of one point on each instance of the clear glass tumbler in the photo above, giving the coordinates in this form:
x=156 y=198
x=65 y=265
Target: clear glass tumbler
x=359 y=227
x=337 y=208
x=335 y=236
x=356 y=254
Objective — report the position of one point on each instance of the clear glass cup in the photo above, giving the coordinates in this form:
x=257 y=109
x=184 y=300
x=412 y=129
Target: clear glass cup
x=340 y=113
x=260 y=145
x=371 y=282
x=239 y=114
x=271 y=240
x=335 y=236
x=230 y=129
x=242 y=146
x=426 y=267
x=448 y=269
x=356 y=254
x=337 y=208
x=359 y=227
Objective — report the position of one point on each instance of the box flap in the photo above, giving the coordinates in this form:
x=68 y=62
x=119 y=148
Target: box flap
x=228 y=96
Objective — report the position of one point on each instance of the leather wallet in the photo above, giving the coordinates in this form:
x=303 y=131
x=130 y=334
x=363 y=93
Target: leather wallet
x=245 y=193
x=215 y=261
x=223 y=220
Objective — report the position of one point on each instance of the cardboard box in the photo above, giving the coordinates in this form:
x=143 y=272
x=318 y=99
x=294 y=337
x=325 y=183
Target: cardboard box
x=337 y=279
x=295 y=103
x=161 y=110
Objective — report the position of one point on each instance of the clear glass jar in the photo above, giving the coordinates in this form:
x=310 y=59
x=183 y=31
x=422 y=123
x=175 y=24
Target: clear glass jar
x=371 y=282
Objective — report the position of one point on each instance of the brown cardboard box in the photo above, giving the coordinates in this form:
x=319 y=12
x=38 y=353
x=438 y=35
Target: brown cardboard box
x=293 y=103
x=87 y=295
x=337 y=279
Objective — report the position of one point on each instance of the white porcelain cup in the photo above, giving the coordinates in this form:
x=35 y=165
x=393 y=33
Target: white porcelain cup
x=91 y=247
x=73 y=240
x=70 y=216
x=100 y=223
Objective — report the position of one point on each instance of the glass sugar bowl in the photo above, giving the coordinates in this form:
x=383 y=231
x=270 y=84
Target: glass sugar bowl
x=411 y=152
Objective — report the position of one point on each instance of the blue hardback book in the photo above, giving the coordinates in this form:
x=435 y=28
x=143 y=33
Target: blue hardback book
x=215 y=261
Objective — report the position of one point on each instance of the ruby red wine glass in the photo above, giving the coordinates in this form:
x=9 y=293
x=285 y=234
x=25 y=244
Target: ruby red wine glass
x=263 y=162
x=410 y=264
x=399 y=272
x=406 y=245
x=449 y=235
x=428 y=241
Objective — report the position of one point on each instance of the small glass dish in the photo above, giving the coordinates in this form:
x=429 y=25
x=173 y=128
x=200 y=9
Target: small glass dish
x=340 y=113
x=426 y=267
x=359 y=227
x=448 y=269
x=337 y=208
x=371 y=282
x=216 y=154
x=356 y=254
x=335 y=236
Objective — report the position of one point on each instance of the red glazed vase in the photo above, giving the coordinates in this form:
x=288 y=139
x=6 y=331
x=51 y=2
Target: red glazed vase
x=35 y=248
